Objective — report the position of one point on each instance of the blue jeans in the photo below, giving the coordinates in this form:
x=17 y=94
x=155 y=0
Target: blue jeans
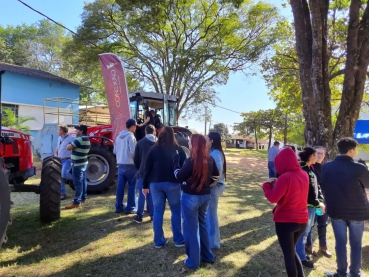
x=126 y=173
x=356 y=230
x=322 y=223
x=141 y=200
x=65 y=174
x=271 y=168
x=300 y=246
x=194 y=229
x=212 y=222
x=80 y=183
x=160 y=192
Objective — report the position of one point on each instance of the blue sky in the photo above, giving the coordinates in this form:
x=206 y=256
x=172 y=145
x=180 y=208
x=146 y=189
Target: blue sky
x=242 y=93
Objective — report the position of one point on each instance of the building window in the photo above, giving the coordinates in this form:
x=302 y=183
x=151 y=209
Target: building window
x=12 y=107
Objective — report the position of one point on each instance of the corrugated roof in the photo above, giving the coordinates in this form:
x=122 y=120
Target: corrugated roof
x=34 y=73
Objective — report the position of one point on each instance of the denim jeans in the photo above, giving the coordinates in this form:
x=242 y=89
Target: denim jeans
x=212 y=222
x=300 y=246
x=80 y=183
x=322 y=223
x=356 y=230
x=160 y=192
x=271 y=168
x=194 y=229
x=141 y=200
x=126 y=173
x=65 y=174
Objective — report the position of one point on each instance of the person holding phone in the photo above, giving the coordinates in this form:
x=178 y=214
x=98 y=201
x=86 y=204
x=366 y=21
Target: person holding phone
x=290 y=215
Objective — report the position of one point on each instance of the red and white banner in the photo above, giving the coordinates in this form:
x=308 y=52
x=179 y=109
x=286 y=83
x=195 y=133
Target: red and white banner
x=116 y=91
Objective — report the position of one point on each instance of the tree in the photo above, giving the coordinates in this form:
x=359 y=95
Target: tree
x=261 y=124
x=9 y=119
x=313 y=45
x=222 y=129
x=178 y=47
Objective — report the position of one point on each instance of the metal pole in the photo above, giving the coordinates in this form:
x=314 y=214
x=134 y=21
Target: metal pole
x=206 y=115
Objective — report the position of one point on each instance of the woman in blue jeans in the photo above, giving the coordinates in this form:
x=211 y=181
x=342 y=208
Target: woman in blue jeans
x=197 y=174
x=214 y=143
x=159 y=175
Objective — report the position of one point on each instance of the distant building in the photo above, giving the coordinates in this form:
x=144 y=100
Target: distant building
x=246 y=142
x=24 y=90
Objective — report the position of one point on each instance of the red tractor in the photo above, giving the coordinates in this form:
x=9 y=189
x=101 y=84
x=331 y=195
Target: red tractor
x=16 y=160
x=102 y=168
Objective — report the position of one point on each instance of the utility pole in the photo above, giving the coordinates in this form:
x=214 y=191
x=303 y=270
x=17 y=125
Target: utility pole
x=206 y=118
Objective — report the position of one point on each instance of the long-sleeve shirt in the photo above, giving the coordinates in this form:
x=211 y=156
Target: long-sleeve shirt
x=159 y=165
x=185 y=175
x=219 y=160
x=124 y=147
x=290 y=191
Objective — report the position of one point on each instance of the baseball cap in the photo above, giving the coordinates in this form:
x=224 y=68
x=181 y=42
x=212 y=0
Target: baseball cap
x=82 y=128
x=130 y=122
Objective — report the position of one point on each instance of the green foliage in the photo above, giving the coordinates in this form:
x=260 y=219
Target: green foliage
x=262 y=124
x=222 y=129
x=177 y=47
x=9 y=119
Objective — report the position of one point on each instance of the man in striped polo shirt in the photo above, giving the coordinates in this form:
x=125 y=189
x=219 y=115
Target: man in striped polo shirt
x=80 y=148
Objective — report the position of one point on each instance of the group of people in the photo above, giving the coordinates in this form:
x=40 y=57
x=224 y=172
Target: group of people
x=73 y=151
x=158 y=167
x=310 y=192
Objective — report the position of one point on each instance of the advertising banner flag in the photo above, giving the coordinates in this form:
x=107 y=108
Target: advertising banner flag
x=116 y=91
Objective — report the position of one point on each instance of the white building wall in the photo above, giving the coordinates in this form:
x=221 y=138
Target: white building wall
x=65 y=116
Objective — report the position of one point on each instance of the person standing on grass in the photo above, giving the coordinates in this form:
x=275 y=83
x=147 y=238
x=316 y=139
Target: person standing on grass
x=214 y=143
x=142 y=148
x=80 y=148
x=272 y=153
x=290 y=215
x=344 y=182
x=320 y=219
x=308 y=157
x=197 y=175
x=124 y=149
x=160 y=181
x=61 y=152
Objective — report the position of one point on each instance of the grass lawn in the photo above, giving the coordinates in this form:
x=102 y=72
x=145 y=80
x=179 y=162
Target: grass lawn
x=262 y=153
x=94 y=241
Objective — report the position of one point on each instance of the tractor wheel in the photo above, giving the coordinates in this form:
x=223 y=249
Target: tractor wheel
x=101 y=170
x=4 y=206
x=50 y=189
x=187 y=151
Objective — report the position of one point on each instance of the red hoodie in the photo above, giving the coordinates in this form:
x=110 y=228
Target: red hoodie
x=290 y=191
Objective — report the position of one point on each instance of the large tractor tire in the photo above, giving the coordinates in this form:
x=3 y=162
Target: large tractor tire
x=101 y=170
x=4 y=205
x=50 y=189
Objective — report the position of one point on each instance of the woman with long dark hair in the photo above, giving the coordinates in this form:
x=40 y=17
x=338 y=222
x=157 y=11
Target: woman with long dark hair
x=308 y=158
x=199 y=171
x=214 y=144
x=159 y=176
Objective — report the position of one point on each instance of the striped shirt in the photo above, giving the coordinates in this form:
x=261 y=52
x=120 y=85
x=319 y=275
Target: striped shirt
x=79 y=153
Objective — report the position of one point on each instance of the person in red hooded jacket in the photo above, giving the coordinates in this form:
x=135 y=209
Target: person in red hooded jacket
x=290 y=192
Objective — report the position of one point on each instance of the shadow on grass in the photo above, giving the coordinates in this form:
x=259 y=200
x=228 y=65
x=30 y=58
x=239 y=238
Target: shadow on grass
x=365 y=257
x=71 y=232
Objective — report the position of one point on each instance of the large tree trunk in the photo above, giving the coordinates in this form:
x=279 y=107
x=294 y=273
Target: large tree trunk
x=355 y=71
x=311 y=30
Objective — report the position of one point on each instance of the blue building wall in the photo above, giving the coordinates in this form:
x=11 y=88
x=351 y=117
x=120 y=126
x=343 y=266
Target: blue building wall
x=19 y=88
x=28 y=90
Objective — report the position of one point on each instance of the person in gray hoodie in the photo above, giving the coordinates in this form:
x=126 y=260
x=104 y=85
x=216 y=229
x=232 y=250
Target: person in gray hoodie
x=142 y=148
x=124 y=149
